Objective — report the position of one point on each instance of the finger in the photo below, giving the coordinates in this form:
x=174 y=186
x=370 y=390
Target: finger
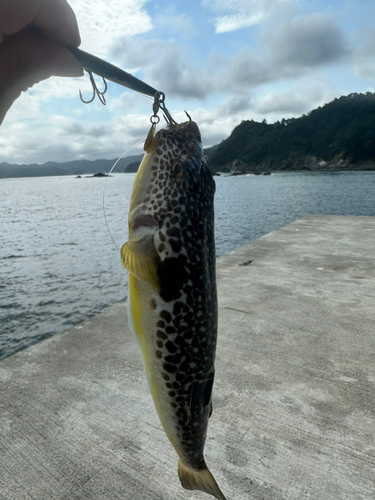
x=54 y=17
x=58 y=22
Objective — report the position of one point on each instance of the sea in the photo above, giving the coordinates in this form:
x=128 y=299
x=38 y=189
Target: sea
x=60 y=238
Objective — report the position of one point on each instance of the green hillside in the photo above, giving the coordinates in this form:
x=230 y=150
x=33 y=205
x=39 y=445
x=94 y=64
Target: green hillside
x=340 y=134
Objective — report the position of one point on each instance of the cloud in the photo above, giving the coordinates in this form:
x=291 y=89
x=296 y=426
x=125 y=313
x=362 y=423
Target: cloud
x=291 y=49
x=166 y=66
x=235 y=104
x=231 y=15
x=300 y=98
x=307 y=41
x=101 y=22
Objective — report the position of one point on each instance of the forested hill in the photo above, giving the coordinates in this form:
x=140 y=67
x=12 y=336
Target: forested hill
x=339 y=135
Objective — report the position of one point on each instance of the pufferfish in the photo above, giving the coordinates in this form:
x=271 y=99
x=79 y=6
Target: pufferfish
x=170 y=257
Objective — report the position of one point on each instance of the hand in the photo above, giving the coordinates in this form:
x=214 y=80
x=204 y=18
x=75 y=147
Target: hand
x=32 y=38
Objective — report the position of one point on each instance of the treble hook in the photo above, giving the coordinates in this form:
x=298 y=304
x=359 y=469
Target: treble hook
x=95 y=90
x=159 y=99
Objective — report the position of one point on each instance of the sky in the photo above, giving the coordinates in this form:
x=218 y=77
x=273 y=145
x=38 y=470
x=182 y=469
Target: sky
x=223 y=61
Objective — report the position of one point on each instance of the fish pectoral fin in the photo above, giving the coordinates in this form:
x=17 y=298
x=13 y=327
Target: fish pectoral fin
x=201 y=480
x=140 y=258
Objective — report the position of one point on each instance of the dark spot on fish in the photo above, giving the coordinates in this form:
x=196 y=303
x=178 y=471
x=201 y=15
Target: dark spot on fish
x=165 y=376
x=169 y=368
x=161 y=248
x=175 y=245
x=172 y=276
x=160 y=324
x=166 y=315
x=161 y=335
x=184 y=366
x=179 y=339
x=195 y=341
x=171 y=359
x=170 y=329
x=159 y=152
x=171 y=394
x=159 y=343
x=188 y=334
x=177 y=308
x=173 y=405
x=168 y=385
x=158 y=354
x=153 y=304
x=176 y=385
x=174 y=231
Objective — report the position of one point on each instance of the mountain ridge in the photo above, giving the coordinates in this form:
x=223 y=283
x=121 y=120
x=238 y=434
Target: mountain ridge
x=339 y=135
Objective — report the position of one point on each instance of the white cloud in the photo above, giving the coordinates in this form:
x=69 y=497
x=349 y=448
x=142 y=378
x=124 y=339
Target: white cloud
x=166 y=66
x=237 y=21
x=101 y=22
x=231 y=15
x=302 y=97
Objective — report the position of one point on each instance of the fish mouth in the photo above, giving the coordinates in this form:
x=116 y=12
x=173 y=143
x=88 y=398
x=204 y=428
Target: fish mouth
x=145 y=221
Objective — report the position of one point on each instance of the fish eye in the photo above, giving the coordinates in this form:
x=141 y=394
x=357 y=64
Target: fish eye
x=178 y=169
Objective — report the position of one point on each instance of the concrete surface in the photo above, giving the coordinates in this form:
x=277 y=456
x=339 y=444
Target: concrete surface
x=293 y=398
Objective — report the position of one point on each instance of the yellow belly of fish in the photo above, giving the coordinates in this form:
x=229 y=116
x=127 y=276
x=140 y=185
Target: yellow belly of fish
x=143 y=322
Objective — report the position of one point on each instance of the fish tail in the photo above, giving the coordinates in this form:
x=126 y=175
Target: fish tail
x=201 y=480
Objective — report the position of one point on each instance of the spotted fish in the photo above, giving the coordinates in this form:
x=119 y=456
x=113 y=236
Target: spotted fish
x=170 y=257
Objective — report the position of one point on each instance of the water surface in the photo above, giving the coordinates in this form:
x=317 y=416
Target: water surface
x=59 y=266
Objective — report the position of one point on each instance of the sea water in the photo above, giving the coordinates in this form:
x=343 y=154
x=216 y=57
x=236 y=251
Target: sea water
x=59 y=265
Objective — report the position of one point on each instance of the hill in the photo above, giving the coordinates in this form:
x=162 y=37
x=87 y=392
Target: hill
x=339 y=135
x=77 y=167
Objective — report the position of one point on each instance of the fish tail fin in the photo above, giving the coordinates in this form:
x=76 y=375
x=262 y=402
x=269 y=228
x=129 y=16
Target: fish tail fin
x=201 y=480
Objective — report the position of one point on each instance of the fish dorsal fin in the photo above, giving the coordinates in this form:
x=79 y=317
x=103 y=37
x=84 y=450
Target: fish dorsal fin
x=140 y=258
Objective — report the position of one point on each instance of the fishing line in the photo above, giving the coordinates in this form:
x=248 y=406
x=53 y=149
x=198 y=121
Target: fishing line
x=105 y=186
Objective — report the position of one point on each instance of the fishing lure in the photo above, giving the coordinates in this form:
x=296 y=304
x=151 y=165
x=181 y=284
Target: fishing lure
x=94 y=65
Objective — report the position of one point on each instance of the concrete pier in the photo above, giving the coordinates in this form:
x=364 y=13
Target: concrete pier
x=293 y=397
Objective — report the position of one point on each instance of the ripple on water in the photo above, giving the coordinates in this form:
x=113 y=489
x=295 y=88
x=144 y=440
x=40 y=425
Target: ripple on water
x=60 y=267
